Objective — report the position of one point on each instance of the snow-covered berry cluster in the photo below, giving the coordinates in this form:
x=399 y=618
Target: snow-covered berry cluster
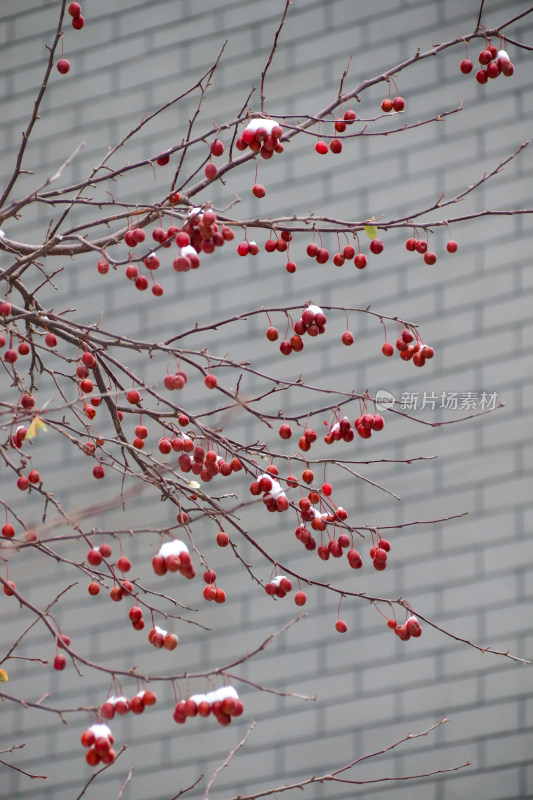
x=261 y=136
x=411 y=628
x=274 y=496
x=173 y=557
x=223 y=703
x=122 y=705
x=98 y=739
x=279 y=586
x=159 y=637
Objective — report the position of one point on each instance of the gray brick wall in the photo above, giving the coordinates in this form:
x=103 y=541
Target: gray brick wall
x=471 y=575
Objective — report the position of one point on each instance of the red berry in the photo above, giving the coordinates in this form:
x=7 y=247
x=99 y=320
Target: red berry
x=8 y=530
x=217 y=148
x=485 y=57
x=360 y=261
x=22 y=483
x=376 y=246
x=105 y=550
x=349 y=116
x=211 y=381
x=60 y=661
x=493 y=70
x=386 y=105
x=74 y=10
x=259 y=190
x=466 y=66
x=387 y=349
x=78 y=22
x=481 y=76
x=341 y=626
x=222 y=539
x=452 y=246
x=99 y=472
x=430 y=258
x=347 y=338
x=50 y=340
x=335 y=145
x=63 y=66
x=124 y=564
x=321 y=147
x=398 y=104
x=211 y=171
x=93 y=588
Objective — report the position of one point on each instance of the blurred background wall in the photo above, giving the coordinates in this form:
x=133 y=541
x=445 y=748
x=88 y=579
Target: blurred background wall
x=472 y=575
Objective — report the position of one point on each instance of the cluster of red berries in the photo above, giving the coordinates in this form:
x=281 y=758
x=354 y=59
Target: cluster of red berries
x=23 y=482
x=496 y=62
x=388 y=105
x=410 y=628
x=367 y=423
x=313 y=321
x=212 y=592
x=420 y=246
x=98 y=739
x=222 y=703
x=96 y=555
x=122 y=705
x=60 y=661
x=335 y=145
x=159 y=637
x=205 y=464
x=378 y=554
x=174 y=557
x=274 y=497
x=78 y=21
x=261 y=136
x=418 y=352
x=279 y=586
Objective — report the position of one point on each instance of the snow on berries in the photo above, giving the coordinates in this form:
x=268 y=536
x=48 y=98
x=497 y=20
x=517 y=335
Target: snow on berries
x=279 y=586
x=261 y=136
x=98 y=739
x=173 y=557
x=274 y=496
x=223 y=704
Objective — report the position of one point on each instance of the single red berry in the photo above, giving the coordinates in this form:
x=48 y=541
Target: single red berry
x=340 y=125
x=493 y=70
x=360 y=261
x=452 y=246
x=8 y=530
x=22 y=483
x=341 y=626
x=481 y=76
x=133 y=397
x=63 y=66
x=376 y=246
x=321 y=147
x=335 y=145
x=217 y=148
x=349 y=116
x=60 y=661
x=386 y=105
x=300 y=598
x=99 y=472
x=430 y=258
x=259 y=190
x=466 y=66
x=33 y=476
x=211 y=171
x=421 y=246
x=124 y=564
x=485 y=57
x=347 y=338
x=222 y=539
x=74 y=10
x=398 y=104
x=78 y=23
x=93 y=588
x=50 y=340
x=387 y=349
x=211 y=381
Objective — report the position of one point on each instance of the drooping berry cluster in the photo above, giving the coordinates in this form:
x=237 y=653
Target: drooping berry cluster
x=418 y=352
x=98 y=739
x=160 y=638
x=174 y=557
x=493 y=62
x=274 y=496
x=279 y=586
x=222 y=703
x=411 y=628
x=122 y=705
x=261 y=136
